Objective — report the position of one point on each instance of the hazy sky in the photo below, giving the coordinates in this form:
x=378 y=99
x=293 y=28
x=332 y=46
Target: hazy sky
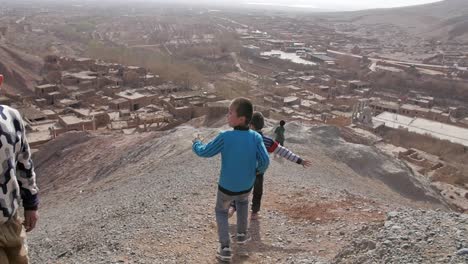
x=332 y=5
x=341 y=4
x=320 y=4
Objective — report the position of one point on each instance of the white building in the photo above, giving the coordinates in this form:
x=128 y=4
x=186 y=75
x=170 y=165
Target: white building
x=423 y=126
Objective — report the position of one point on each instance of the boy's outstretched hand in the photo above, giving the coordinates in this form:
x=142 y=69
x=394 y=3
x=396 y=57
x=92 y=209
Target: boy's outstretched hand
x=306 y=163
x=197 y=138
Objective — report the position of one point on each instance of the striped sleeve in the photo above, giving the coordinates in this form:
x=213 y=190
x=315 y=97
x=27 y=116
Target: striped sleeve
x=25 y=168
x=263 y=160
x=287 y=154
x=270 y=144
x=210 y=149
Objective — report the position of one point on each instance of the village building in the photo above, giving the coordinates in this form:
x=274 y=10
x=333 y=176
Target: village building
x=291 y=100
x=356 y=84
x=109 y=80
x=151 y=79
x=120 y=104
x=136 y=99
x=184 y=113
x=140 y=71
x=31 y=115
x=185 y=98
x=68 y=103
x=315 y=97
x=165 y=89
x=50 y=114
x=76 y=63
x=423 y=126
x=321 y=58
x=423 y=101
x=413 y=110
x=53 y=98
x=83 y=94
x=306 y=79
x=101 y=118
x=379 y=106
x=72 y=122
x=42 y=90
x=294 y=89
x=111 y=90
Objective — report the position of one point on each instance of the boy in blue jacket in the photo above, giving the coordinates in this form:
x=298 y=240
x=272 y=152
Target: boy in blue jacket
x=243 y=154
x=257 y=123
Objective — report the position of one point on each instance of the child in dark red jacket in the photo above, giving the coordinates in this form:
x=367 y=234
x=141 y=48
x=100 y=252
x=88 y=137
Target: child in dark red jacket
x=272 y=146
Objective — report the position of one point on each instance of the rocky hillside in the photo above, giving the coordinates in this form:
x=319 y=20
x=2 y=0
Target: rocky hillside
x=410 y=236
x=146 y=198
x=21 y=70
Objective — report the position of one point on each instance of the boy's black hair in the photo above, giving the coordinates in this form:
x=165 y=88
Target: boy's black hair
x=243 y=108
x=282 y=123
x=257 y=120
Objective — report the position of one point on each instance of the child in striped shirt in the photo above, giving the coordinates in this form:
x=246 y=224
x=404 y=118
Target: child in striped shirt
x=272 y=146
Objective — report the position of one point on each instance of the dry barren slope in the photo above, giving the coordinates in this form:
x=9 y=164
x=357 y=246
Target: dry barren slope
x=21 y=70
x=445 y=20
x=147 y=199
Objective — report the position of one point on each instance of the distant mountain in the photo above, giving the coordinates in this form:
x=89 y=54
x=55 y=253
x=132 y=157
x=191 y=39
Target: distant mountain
x=445 y=20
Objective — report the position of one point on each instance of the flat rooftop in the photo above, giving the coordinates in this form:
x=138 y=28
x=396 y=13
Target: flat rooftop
x=45 y=86
x=294 y=88
x=386 y=104
x=87 y=112
x=322 y=57
x=414 y=107
x=119 y=101
x=72 y=120
x=290 y=99
x=185 y=95
x=48 y=112
x=131 y=95
x=83 y=75
x=223 y=103
x=31 y=113
x=83 y=59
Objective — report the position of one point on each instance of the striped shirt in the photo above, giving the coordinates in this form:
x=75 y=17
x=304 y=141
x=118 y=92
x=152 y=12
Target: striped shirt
x=274 y=147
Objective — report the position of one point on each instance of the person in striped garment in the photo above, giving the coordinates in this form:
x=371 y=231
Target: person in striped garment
x=17 y=184
x=274 y=147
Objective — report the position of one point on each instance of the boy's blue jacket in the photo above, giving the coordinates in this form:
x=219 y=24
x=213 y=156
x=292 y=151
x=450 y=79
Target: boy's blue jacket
x=242 y=155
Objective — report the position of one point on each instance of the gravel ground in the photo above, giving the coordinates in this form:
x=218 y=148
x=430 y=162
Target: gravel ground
x=147 y=198
x=412 y=236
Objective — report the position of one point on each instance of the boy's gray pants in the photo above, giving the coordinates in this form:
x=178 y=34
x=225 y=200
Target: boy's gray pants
x=223 y=202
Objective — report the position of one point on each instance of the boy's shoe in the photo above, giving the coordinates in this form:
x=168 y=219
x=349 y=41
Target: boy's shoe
x=254 y=216
x=231 y=211
x=242 y=238
x=224 y=254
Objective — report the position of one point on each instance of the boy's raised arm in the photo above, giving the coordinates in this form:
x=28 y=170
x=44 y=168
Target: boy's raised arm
x=286 y=153
x=263 y=160
x=275 y=148
x=210 y=149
